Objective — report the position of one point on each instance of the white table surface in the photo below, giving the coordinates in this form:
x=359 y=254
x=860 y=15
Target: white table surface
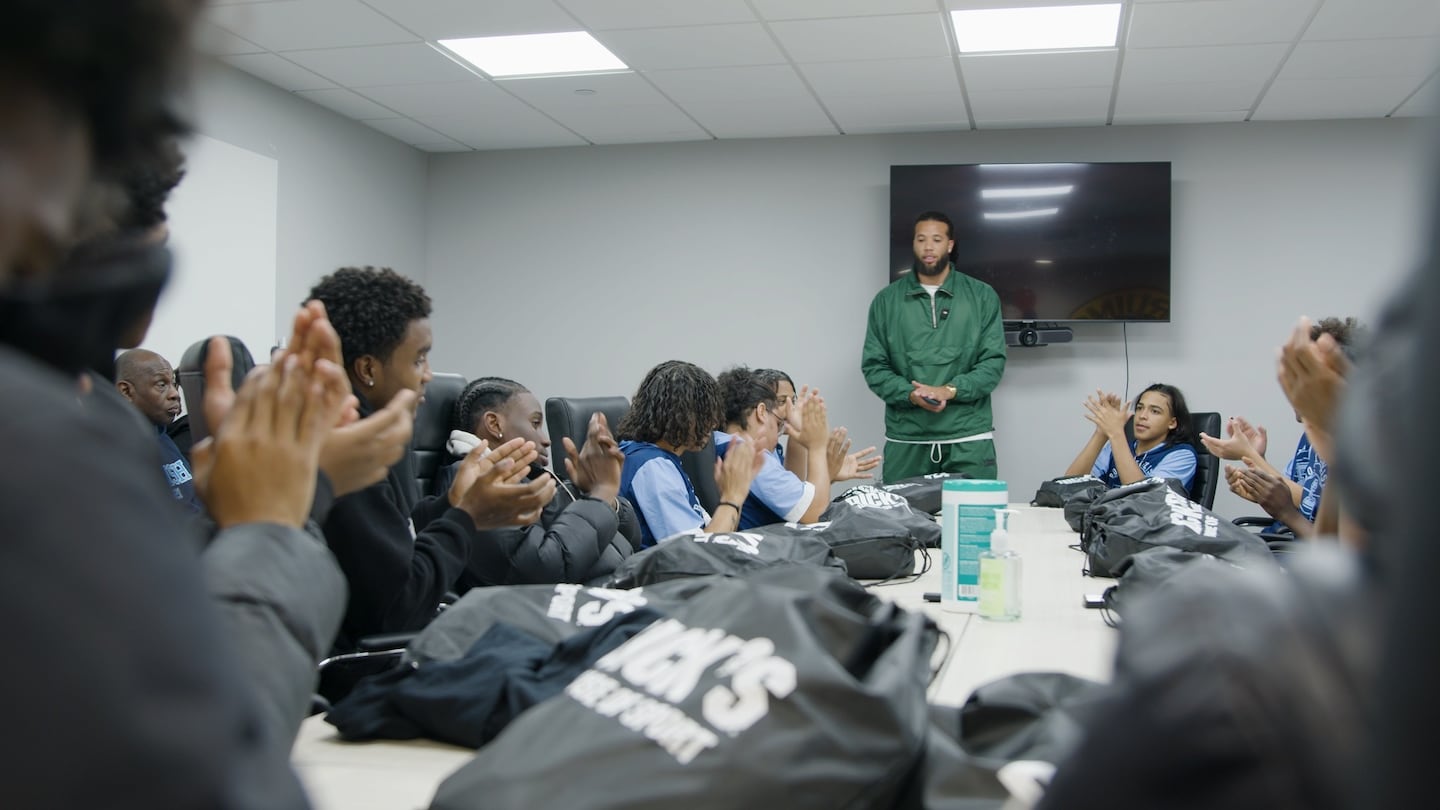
x=1055 y=633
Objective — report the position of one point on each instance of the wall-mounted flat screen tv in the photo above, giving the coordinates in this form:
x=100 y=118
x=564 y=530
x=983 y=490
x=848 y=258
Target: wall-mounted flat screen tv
x=1059 y=242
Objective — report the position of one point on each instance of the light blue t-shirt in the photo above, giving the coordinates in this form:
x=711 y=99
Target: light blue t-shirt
x=1164 y=460
x=776 y=495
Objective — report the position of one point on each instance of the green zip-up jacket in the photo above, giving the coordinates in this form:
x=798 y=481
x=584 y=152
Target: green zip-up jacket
x=907 y=338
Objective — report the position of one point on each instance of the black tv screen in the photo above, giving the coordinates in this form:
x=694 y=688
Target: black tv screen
x=1058 y=241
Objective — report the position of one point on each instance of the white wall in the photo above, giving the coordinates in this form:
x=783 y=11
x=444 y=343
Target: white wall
x=576 y=270
x=347 y=195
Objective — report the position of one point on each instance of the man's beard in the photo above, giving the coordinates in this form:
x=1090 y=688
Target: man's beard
x=940 y=267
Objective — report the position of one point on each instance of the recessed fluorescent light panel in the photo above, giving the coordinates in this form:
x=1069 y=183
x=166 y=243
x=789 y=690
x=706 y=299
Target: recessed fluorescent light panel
x=1022 y=193
x=536 y=54
x=1044 y=28
x=1034 y=212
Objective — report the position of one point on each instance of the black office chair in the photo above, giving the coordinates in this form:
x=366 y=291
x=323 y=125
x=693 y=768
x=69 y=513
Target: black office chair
x=1207 y=465
x=700 y=466
x=432 y=426
x=570 y=416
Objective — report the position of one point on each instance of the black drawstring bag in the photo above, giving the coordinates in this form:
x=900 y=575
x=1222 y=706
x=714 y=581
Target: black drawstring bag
x=1057 y=492
x=696 y=554
x=922 y=526
x=923 y=492
x=1151 y=513
x=872 y=542
x=754 y=693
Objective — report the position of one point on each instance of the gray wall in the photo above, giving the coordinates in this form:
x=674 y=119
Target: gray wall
x=576 y=270
x=347 y=194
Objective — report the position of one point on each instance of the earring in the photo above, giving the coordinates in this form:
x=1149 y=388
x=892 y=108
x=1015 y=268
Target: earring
x=370 y=383
x=499 y=435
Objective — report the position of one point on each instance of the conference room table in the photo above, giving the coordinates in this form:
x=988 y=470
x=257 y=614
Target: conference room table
x=1054 y=633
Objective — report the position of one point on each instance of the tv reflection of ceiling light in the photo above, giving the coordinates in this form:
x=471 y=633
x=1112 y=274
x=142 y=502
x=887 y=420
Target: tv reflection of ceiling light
x=1044 y=261
x=1034 y=212
x=1029 y=167
x=1017 y=193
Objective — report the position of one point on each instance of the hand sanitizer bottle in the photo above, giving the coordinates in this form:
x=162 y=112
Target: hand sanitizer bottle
x=1000 y=574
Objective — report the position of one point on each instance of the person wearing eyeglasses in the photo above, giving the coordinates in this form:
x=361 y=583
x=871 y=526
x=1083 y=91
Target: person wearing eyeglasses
x=844 y=465
x=777 y=495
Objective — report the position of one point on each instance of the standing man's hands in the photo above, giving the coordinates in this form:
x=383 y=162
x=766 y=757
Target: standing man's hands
x=922 y=391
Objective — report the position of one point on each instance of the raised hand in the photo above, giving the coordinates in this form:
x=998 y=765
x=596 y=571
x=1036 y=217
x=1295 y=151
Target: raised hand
x=1312 y=374
x=490 y=486
x=1108 y=414
x=847 y=466
x=1270 y=492
x=814 y=424
x=596 y=467
x=1243 y=439
x=360 y=453
x=260 y=465
x=736 y=471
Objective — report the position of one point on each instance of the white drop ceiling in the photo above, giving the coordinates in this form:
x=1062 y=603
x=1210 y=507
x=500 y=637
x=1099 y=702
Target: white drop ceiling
x=707 y=69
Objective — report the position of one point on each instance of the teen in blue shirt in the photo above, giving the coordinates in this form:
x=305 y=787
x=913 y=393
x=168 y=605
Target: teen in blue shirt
x=1162 y=445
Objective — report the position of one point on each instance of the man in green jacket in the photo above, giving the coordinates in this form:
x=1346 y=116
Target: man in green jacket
x=934 y=350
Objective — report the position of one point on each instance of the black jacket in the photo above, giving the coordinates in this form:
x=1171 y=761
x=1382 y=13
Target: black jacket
x=578 y=539
x=107 y=603
x=400 y=553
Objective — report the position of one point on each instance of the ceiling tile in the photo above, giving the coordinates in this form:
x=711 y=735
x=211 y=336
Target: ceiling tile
x=1049 y=122
x=730 y=85
x=1333 y=98
x=693 y=46
x=303 y=24
x=1364 y=57
x=522 y=129
x=443 y=146
x=1363 y=19
x=381 y=65
x=894 y=113
x=854 y=38
x=1217 y=22
x=347 y=103
x=439 y=99
x=1182 y=97
x=1215 y=63
x=216 y=41
x=451 y=19
x=815 y=9
x=909 y=76
x=1424 y=103
x=762 y=118
x=406 y=130
x=1181 y=118
x=609 y=90
x=278 y=71
x=1028 y=71
x=602 y=15
x=1062 y=104
x=630 y=123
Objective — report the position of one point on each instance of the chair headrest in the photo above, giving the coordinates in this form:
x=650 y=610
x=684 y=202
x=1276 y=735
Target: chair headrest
x=570 y=416
x=432 y=419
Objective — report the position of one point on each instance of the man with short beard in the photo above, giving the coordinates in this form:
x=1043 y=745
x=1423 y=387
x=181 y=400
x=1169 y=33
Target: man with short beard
x=934 y=350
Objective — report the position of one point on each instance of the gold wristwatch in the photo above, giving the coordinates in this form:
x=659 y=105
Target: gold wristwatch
x=951 y=389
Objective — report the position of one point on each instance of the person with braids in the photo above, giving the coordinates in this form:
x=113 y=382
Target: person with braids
x=401 y=553
x=674 y=410
x=776 y=495
x=584 y=532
